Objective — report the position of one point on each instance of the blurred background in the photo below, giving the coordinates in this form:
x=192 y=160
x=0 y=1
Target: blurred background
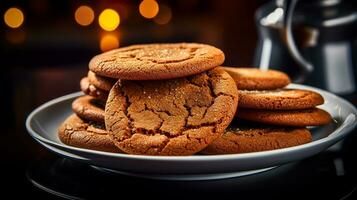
x=44 y=32
x=46 y=46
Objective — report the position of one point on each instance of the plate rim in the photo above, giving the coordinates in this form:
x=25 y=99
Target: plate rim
x=343 y=129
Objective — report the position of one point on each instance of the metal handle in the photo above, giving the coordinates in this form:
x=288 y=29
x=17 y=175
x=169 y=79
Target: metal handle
x=306 y=66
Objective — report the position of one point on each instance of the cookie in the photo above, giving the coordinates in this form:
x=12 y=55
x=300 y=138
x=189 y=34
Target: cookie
x=93 y=91
x=89 y=108
x=156 y=61
x=79 y=133
x=307 y=117
x=170 y=117
x=238 y=140
x=280 y=99
x=257 y=79
x=101 y=82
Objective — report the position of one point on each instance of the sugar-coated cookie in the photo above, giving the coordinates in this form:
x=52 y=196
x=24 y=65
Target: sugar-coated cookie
x=279 y=99
x=171 y=117
x=237 y=140
x=100 y=82
x=307 y=117
x=257 y=79
x=156 y=61
x=89 y=135
x=93 y=91
x=89 y=108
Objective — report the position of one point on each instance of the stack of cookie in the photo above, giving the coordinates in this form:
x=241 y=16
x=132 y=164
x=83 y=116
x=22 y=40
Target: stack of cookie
x=270 y=116
x=85 y=128
x=97 y=86
x=174 y=99
x=169 y=99
x=263 y=98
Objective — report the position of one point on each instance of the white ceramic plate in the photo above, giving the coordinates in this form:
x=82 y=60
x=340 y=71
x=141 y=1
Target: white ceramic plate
x=43 y=122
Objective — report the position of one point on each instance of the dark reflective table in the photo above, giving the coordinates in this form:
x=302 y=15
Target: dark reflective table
x=330 y=175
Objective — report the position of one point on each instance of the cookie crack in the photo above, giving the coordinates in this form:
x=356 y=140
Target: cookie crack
x=157 y=113
x=188 y=110
x=211 y=93
x=144 y=131
x=214 y=96
x=157 y=130
x=127 y=105
x=200 y=140
x=206 y=124
x=189 y=79
x=211 y=77
x=165 y=143
x=210 y=86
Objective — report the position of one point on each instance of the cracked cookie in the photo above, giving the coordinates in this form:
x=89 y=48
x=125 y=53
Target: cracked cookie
x=79 y=133
x=100 y=82
x=93 y=91
x=170 y=117
x=237 y=140
x=280 y=99
x=307 y=117
x=156 y=61
x=257 y=79
x=89 y=108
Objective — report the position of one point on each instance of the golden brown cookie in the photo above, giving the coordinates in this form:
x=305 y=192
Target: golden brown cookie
x=100 y=82
x=170 y=117
x=89 y=108
x=236 y=140
x=280 y=99
x=93 y=91
x=256 y=79
x=89 y=135
x=307 y=117
x=156 y=61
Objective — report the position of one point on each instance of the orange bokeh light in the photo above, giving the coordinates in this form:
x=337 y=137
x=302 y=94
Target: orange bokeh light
x=109 y=19
x=84 y=15
x=109 y=41
x=149 y=8
x=14 y=17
